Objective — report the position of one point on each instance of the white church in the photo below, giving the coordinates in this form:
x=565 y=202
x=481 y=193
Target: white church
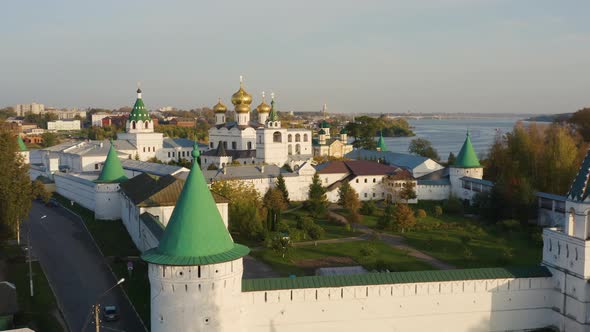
x=261 y=141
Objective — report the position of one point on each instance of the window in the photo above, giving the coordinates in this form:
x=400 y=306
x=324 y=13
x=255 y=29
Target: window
x=144 y=149
x=259 y=139
x=365 y=180
x=225 y=144
x=290 y=138
x=374 y=180
x=297 y=149
x=297 y=138
x=373 y=194
x=357 y=180
x=168 y=154
x=249 y=145
x=95 y=166
x=234 y=145
x=173 y=154
x=211 y=145
x=290 y=149
x=133 y=125
x=147 y=124
x=305 y=137
x=276 y=137
x=365 y=195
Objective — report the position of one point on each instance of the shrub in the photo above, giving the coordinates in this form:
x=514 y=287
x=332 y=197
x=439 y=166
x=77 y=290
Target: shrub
x=454 y=206
x=438 y=211
x=421 y=213
x=316 y=232
x=368 y=208
x=368 y=250
x=509 y=224
x=465 y=239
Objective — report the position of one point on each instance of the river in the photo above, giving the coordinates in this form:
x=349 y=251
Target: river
x=447 y=135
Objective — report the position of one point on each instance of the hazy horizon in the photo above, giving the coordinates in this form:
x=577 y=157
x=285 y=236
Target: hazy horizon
x=438 y=56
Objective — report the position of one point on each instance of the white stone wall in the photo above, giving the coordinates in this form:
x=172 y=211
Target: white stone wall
x=478 y=305
x=107 y=202
x=433 y=192
x=196 y=298
x=60 y=125
x=240 y=137
x=75 y=188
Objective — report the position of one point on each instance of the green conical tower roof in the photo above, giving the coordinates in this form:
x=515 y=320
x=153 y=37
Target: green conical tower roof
x=195 y=234
x=139 y=111
x=467 y=157
x=21 y=144
x=273 y=115
x=381 y=143
x=112 y=171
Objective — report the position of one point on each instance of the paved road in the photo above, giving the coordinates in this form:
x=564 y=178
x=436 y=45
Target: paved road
x=76 y=269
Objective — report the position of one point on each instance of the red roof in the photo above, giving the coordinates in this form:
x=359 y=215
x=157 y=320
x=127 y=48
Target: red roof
x=358 y=168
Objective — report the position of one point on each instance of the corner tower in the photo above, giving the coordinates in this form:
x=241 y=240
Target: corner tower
x=106 y=194
x=196 y=271
x=466 y=165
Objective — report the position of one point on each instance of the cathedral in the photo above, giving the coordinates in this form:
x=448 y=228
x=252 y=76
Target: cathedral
x=261 y=141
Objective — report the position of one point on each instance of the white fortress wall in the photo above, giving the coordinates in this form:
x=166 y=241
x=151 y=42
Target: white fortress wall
x=464 y=305
x=433 y=192
x=107 y=201
x=77 y=189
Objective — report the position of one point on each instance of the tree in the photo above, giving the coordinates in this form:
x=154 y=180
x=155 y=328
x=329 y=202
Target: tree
x=581 y=122
x=49 y=139
x=404 y=217
x=274 y=201
x=407 y=192
x=317 y=201
x=342 y=191
x=451 y=159
x=283 y=187
x=387 y=220
x=245 y=207
x=17 y=194
x=38 y=191
x=365 y=128
x=349 y=200
x=423 y=147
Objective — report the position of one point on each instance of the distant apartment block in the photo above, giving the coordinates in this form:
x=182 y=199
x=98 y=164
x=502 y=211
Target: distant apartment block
x=63 y=114
x=63 y=125
x=22 y=109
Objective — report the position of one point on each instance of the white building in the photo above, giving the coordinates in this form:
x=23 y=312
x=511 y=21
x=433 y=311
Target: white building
x=96 y=118
x=35 y=108
x=263 y=139
x=63 y=125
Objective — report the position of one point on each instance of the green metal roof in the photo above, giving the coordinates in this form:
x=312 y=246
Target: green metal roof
x=112 y=171
x=467 y=158
x=139 y=111
x=21 y=144
x=195 y=234
x=268 y=284
x=322 y=132
x=343 y=131
x=580 y=188
x=273 y=115
x=381 y=143
x=324 y=124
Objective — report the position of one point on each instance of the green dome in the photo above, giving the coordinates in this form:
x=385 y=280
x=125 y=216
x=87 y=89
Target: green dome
x=322 y=132
x=467 y=158
x=21 y=144
x=343 y=131
x=112 y=171
x=195 y=234
x=324 y=124
x=139 y=112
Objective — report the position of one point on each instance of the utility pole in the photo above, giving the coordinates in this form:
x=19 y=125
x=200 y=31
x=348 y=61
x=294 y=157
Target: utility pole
x=96 y=317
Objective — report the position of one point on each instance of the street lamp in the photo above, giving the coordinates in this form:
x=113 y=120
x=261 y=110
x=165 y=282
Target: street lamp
x=96 y=305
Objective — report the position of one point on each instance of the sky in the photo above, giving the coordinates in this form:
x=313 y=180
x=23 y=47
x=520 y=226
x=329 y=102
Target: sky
x=475 y=56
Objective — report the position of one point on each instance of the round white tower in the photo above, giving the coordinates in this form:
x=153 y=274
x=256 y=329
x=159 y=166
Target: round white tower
x=466 y=165
x=196 y=271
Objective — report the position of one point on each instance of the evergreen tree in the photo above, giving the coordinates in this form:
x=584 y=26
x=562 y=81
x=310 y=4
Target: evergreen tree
x=274 y=202
x=342 y=190
x=317 y=201
x=282 y=187
x=451 y=159
x=16 y=194
x=387 y=219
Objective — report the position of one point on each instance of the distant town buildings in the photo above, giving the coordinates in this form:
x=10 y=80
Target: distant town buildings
x=65 y=114
x=96 y=118
x=63 y=125
x=35 y=108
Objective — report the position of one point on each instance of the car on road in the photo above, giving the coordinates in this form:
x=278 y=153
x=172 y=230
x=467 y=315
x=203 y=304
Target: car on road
x=52 y=203
x=110 y=313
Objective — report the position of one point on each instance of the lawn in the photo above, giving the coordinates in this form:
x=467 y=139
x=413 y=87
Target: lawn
x=114 y=242
x=380 y=257
x=40 y=311
x=470 y=243
x=333 y=230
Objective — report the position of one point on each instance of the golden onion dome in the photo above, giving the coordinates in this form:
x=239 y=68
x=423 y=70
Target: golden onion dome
x=241 y=97
x=219 y=107
x=263 y=107
x=242 y=108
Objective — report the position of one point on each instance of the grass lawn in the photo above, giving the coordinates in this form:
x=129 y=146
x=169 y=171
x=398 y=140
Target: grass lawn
x=38 y=312
x=383 y=257
x=469 y=243
x=114 y=242
x=333 y=230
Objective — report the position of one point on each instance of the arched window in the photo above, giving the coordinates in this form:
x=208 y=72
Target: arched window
x=289 y=138
x=297 y=149
x=133 y=125
x=305 y=137
x=147 y=124
x=571 y=222
x=276 y=137
x=290 y=149
x=297 y=138
x=225 y=144
x=249 y=145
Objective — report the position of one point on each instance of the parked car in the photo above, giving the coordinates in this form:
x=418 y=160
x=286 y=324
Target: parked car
x=110 y=313
x=52 y=203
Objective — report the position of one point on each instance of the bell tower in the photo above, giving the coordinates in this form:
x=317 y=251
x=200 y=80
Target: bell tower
x=271 y=140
